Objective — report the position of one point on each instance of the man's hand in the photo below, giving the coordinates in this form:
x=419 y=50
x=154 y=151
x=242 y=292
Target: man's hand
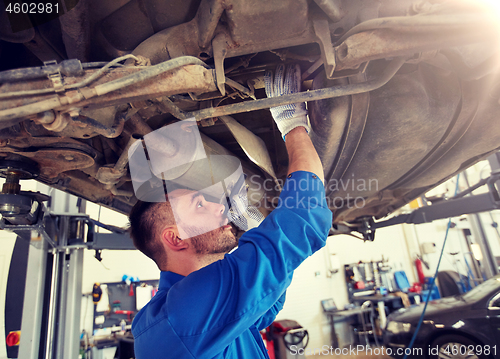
x=287 y=117
x=292 y=121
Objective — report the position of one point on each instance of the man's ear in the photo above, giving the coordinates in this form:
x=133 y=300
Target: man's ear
x=170 y=237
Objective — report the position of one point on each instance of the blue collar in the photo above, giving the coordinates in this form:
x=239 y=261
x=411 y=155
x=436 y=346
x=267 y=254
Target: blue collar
x=168 y=279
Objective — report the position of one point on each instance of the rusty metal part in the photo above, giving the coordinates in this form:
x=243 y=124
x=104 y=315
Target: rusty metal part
x=146 y=74
x=335 y=91
x=12 y=113
x=246 y=106
x=166 y=105
x=53 y=72
x=108 y=175
x=120 y=22
x=66 y=67
x=207 y=17
x=46 y=117
x=190 y=78
x=311 y=69
x=265 y=21
x=26 y=142
x=219 y=46
x=53 y=155
x=123 y=160
x=332 y=8
x=253 y=146
x=243 y=62
x=86 y=127
x=136 y=125
x=119 y=192
x=110 y=143
x=52 y=121
x=249 y=31
x=53 y=161
x=383 y=38
x=240 y=88
x=60 y=122
x=42 y=48
x=189 y=38
x=75 y=30
x=78 y=182
x=325 y=42
x=289 y=55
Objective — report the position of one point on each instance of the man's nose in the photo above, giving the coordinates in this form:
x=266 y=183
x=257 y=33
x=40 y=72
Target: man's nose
x=218 y=208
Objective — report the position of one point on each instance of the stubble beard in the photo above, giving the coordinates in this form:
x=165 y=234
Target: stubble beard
x=217 y=241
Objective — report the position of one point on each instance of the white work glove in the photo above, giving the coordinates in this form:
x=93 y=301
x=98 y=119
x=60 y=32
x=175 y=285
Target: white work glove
x=287 y=117
x=243 y=216
x=240 y=213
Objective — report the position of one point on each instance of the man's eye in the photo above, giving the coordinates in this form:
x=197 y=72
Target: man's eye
x=199 y=205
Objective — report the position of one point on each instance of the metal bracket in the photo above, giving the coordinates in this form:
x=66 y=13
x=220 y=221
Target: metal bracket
x=367 y=229
x=219 y=48
x=55 y=76
x=322 y=32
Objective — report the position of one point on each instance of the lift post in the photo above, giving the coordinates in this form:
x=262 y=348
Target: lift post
x=51 y=309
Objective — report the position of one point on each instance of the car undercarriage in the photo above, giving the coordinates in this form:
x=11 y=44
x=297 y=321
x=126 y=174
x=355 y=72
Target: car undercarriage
x=401 y=95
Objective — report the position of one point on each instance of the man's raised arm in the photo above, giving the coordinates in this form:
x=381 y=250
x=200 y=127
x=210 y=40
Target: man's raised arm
x=302 y=155
x=292 y=121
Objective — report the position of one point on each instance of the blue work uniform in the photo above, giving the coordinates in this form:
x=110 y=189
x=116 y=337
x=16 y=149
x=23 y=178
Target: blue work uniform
x=217 y=311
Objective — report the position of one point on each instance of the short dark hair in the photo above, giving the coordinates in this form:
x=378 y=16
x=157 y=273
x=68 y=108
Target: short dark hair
x=146 y=221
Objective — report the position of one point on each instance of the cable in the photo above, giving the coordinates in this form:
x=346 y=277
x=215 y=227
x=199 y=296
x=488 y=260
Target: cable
x=86 y=309
x=99 y=218
x=89 y=65
x=147 y=73
x=468 y=269
x=469 y=272
x=73 y=86
x=101 y=71
x=432 y=284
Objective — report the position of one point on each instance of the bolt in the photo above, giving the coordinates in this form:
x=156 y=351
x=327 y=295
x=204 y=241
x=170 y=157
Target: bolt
x=69 y=157
x=74 y=112
x=11 y=184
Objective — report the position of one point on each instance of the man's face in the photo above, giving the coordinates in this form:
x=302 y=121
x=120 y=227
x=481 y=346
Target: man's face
x=203 y=222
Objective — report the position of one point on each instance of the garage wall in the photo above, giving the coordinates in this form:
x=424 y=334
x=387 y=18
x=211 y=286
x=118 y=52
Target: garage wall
x=308 y=288
x=113 y=266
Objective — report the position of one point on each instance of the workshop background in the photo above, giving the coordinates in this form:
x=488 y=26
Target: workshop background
x=319 y=277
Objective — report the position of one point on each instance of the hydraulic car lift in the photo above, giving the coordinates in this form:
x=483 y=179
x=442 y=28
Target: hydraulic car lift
x=53 y=268
x=53 y=288
x=446 y=208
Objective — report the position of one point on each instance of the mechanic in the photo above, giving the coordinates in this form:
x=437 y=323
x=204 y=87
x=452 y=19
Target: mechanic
x=211 y=304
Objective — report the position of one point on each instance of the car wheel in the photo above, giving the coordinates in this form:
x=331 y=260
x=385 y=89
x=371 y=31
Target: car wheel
x=456 y=346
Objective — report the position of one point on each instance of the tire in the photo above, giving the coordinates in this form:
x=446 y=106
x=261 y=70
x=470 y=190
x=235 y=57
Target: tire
x=455 y=346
